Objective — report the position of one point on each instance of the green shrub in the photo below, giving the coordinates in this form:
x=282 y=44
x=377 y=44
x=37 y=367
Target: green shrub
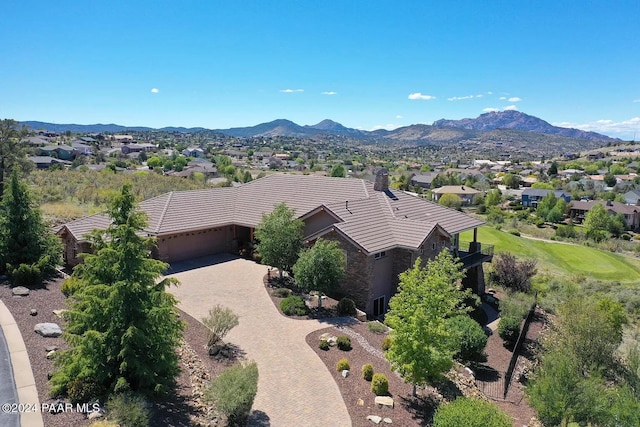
x=386 y=343
x=514 y=232
x=380 y=384
x=324 y=345
x=509 y=329
x=128 y=409
x=367 y=372
x=470 y=413
x=28 y=275
x=344 y=343
x=566 y=231
x=343 y=364
x=293 y=306
x=377 y=327
x=82 y=390
x=626 y=236
x=471 y=337
x=346 y=307
x=232 y=392
x=71 y=286
x=281 y=292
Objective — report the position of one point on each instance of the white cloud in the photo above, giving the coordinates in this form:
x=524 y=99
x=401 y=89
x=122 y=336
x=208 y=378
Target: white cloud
x=514 y=99
x=389 y=126
x=636 y=100
x=480 y=95
x=291 y=90
x=489 y=93
x=460 y=98
x=155 y=90
x=502 y=98
x=490 y=110
x=418 y=95
x=329 y=93
x=399 y=116
x=510 y=108
x=625 y=129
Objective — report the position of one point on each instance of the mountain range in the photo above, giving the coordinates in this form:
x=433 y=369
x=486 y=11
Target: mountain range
x=440 y=131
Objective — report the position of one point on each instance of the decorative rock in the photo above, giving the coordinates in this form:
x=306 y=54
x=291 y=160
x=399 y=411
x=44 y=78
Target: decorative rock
x=95 y=415
x=33 y=312
x=51 y=354
x=48 y=329
x=60 y=313
x=345 y=373
x=20 y=291
x=387 y=421
x=325 y=336
x=333 y=341
x=360 y=402
x=384 y=401
x=49 y=348
x=374 y=419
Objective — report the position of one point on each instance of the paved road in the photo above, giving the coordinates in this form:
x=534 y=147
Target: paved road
x=294 y=386
x=8 y=391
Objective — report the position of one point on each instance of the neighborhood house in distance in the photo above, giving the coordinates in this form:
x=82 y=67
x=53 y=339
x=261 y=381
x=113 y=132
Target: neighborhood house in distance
x=382 y=231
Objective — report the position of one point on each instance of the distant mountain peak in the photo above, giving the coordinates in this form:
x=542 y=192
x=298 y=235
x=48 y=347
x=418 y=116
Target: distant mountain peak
x=512 y=119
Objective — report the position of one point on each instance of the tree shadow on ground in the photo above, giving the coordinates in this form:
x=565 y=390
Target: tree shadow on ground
x=173 y=409
x=259 y=419
x=421 y=408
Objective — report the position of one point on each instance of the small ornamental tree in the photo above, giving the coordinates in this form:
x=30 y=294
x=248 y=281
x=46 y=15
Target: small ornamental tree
x=423 y=347
x=338 y=171
x=122 y=327
x=219 y=322
x=512 y=274
x=279 y=237
x=320 y=268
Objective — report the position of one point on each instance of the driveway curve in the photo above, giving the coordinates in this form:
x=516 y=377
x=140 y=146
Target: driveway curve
x=294 y=387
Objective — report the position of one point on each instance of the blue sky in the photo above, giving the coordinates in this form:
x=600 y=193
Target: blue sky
x=365 y=64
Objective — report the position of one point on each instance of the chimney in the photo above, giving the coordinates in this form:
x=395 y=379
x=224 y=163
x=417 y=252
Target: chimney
x=609 y=203
x=382 y=180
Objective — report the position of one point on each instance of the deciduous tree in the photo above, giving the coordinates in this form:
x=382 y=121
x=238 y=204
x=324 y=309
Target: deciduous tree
x=422 y=346
x=596 y=223
x=320 y=268
x=279 y=237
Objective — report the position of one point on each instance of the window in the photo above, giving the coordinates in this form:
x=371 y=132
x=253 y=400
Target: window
x=379 y=306
x=380 y=255
x=345 y=253
x=433 y=246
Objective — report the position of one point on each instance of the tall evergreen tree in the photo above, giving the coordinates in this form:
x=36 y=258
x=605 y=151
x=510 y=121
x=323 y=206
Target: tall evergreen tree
x=12 y=152
x=123 y=326
x=25 y=239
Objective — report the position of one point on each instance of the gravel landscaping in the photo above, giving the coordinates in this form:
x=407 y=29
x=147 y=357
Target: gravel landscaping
x=183 y=407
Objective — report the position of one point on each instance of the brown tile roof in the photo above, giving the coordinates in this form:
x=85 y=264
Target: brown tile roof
x=374 y=220
x=586 y=205
x=81 y=227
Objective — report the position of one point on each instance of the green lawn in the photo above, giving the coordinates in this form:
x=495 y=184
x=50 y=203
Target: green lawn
x=558 y=258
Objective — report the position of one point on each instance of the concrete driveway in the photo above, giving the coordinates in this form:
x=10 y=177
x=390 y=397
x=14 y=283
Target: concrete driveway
x=294 y=386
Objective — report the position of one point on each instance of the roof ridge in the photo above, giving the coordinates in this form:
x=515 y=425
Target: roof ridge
x=164 y=211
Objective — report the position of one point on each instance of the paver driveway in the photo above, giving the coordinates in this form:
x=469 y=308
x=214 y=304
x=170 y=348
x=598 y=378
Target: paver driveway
x=294 y=387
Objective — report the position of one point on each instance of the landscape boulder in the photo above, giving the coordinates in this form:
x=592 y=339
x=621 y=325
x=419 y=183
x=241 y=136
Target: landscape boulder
x=374 y=419
x=384 y=401
x=20 y=291
x=48 y=330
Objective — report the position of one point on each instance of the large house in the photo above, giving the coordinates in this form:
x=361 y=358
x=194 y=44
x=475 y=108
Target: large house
x=465 y=193
x=532 y=196
x=381 y=231
x=578 y=211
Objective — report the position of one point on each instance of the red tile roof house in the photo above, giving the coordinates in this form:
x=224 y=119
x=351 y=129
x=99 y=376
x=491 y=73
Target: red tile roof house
x=381 y=231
